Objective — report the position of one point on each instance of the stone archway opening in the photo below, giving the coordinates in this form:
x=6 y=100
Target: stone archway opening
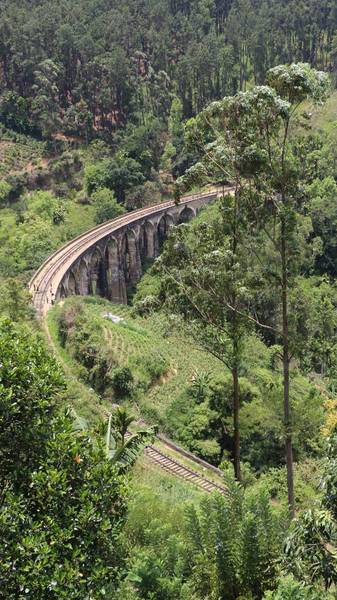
x=186 y=215
x=83 y=281
x=132 y=265
x=149 y=241
x=62 y=293
x=164 y=226
x=72 y=287
x=97 y=274
x=111 y=253
x=115 y=275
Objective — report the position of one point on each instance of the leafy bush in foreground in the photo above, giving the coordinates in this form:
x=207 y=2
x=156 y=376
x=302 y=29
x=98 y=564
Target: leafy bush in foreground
x=62 y=503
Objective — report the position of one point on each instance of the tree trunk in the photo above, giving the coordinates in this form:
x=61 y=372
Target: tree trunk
x=236 y=417
x=286 y=379
x=235 y=373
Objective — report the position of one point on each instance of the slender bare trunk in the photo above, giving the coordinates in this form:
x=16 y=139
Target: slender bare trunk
x=108 y=437
x=286 y=379
x=235 y=371
x=236 y=416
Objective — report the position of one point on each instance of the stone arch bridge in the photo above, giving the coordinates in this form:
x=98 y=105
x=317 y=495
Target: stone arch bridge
x=110 y=257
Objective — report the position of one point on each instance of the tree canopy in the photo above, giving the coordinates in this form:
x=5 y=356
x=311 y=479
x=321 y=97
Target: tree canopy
x=87 y=67
x=62 y=503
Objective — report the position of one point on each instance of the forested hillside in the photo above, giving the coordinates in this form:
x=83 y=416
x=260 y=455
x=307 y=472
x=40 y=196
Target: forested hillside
x=86 y=67
x=227 y=348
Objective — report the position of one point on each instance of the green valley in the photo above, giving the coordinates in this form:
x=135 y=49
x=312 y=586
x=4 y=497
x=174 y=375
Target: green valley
x=168 y=300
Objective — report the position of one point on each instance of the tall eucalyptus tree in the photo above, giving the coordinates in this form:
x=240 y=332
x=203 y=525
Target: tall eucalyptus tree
x=247 y=139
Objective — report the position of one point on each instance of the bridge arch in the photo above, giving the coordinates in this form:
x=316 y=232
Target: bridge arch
x=149 y=236
x=97 y=272
x=115 y=276
x=62 y=292
x=186 y=215
x=71 y=288
x=82 y=278
x=164 y=225
x=89 y=264
x=170 y=222
x=111 y=252
x=130 y=256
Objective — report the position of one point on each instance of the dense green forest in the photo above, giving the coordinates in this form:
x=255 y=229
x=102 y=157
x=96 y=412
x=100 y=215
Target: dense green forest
x=88 y=67
x=228 y=344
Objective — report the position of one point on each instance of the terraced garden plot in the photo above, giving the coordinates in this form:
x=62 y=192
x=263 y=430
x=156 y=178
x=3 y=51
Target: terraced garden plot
x=88 y=405
x=23 y=154
x=161 y=359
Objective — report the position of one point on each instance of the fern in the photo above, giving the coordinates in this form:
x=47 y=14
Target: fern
x=232 y=545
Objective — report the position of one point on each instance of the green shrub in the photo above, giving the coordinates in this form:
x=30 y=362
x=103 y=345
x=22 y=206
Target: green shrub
x=106 y=205
x=62 y=503
x=61 y=190
x=199 y=386
x=155 y=364
x=82 y=197
x=147 y=288
x=96 y=177
x=122 y=381
x=34 y=240
x=233 y=543
x=290 y=589
x=143 y=195
x=307 y=479
x=66 y=319
x=209 y=450
x=5 y=190
x=15 y=300
x=99 y=374
x=47 y=206
x=146 y=306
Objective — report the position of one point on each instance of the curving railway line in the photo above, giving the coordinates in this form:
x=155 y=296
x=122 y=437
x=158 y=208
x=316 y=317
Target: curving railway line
x=49 y=276
x=47 y=279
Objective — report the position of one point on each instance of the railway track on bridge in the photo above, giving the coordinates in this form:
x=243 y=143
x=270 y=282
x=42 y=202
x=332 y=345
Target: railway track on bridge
x=47 y=280
x=48 y=277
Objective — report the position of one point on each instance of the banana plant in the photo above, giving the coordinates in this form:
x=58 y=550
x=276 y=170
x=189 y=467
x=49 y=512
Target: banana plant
x=123 y=447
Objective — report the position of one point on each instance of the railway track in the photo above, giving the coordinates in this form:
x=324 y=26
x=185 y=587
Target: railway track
x=174 y=467
x=49 y=276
